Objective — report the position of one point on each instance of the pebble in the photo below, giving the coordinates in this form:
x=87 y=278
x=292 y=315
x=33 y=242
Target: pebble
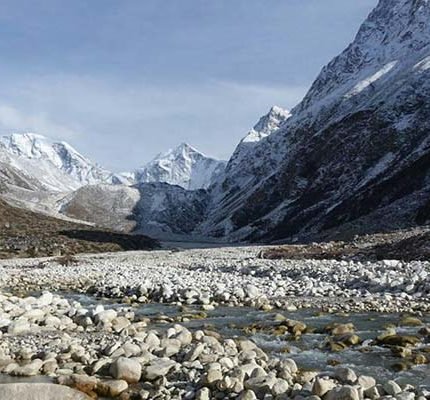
x=233 y=276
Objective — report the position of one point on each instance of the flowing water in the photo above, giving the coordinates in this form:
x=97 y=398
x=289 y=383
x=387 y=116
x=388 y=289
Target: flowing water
x=309 y=351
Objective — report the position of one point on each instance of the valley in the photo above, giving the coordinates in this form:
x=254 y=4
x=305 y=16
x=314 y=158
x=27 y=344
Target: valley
x=298 y=268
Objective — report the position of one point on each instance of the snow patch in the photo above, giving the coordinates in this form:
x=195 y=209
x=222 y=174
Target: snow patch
x=378 y=168
x=365 y=83
x=423 y=65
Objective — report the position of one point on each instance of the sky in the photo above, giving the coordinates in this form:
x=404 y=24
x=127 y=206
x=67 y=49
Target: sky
x=122 y=81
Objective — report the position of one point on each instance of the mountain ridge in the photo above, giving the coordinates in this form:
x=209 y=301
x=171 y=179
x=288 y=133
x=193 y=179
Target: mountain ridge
x=363 y=120
x=55 y=164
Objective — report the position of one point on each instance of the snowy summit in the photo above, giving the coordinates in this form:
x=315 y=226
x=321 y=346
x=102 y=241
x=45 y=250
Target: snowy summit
x=183 y=166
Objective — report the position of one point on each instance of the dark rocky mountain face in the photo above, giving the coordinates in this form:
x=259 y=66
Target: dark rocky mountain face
x=354 y=156
x=165 y=210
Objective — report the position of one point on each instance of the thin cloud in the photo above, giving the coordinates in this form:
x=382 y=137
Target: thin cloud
x=103 y=117
x=14 y=120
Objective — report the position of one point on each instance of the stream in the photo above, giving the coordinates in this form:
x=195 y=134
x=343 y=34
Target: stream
x=308 y=351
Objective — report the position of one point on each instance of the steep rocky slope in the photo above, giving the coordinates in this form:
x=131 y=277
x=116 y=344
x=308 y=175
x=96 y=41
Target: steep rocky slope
x=168 y=210
x=267 y=124
x=241 y=173
x=355 y=154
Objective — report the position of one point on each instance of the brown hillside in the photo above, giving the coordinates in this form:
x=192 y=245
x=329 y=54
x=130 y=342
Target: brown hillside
x=27 y=234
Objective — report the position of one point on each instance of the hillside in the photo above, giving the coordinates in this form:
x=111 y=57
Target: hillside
x=27 y=234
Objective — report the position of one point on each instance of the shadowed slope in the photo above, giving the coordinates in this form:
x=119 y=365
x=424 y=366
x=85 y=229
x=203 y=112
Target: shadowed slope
x=27 y=234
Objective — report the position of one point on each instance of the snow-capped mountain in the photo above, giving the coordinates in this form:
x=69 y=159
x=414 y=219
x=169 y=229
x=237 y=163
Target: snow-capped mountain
x=183 y=166
x=354 y=155
x=267 y=124
x=52 y=177
x=241 y=172
x=57 y=166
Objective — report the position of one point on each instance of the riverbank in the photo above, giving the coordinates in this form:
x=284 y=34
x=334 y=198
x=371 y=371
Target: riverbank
x=217 y=323
x=231 y=276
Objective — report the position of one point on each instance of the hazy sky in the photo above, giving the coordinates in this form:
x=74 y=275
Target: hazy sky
x=124 y=80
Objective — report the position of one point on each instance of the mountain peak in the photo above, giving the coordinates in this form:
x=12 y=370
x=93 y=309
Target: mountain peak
x=187 y=148
x=184 y=166
x=267 y=124
x=276 y=110
x=185 y=145
x=34 y=145
x=352 y=154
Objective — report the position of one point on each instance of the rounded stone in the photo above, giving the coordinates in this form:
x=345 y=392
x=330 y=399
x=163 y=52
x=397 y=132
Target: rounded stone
x=127 y=369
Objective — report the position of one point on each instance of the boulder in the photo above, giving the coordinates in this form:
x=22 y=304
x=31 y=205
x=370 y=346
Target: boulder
x=410 y=321
x=111 y=388
x=120 y=323
x=398 y=340
x=159 y=367
x=127 y=369
x=39 y=391
x=366 y=382
x=343 y=393
x=18 y=327
x=203 y=394
x=261 y=385
x=322 y=386
x=247 y=395
x=345 y=375
x=46 y=299
x=392 y=388
x=105 y=316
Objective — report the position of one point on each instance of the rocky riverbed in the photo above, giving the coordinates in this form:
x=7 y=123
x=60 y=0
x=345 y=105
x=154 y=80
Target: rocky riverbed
x=215 y=324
